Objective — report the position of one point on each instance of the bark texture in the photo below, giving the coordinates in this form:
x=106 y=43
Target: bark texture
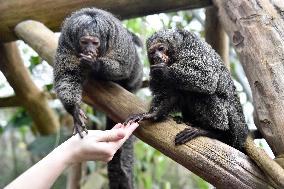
x=256 y=29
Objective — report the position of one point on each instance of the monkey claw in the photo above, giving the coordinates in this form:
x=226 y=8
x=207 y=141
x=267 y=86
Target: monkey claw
x=79 y=123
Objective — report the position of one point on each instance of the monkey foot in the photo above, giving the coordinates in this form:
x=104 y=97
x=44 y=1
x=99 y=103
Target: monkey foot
x=186 y=135
x=134 y=118
x=79 y=123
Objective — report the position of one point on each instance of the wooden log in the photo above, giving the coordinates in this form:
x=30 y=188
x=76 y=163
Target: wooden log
x=52 y=13
x=216 y=162
x=256 y=30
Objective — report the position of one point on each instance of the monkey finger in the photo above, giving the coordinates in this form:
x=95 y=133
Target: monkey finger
x=88 y=58
x=82 y=113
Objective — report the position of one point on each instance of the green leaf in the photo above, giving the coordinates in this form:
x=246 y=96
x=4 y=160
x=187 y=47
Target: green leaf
x=1 y=130
x=34 y=60
x=49 y=87
x=20 y=119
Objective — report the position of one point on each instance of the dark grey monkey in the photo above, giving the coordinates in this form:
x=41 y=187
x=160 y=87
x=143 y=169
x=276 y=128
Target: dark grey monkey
x=94 y=43
x=187 y=75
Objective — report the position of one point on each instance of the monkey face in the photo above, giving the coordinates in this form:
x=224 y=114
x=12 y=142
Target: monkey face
x=158 y=55
x=89 y=47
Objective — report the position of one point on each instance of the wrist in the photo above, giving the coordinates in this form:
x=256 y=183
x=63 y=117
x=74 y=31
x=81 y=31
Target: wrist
x=65 y=152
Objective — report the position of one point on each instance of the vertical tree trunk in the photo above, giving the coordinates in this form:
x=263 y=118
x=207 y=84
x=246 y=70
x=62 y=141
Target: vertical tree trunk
x=256 y=30
x=31 y=97
x=215 y=35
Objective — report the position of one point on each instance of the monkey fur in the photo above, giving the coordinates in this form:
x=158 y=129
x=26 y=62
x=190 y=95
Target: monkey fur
x=93 y=43
x=188 y=76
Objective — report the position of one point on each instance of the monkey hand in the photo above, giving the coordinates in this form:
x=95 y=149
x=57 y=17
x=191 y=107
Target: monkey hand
x=134 y=118
x=160 y=70
x=86 y=62
x=139 y=117
x=79 y=118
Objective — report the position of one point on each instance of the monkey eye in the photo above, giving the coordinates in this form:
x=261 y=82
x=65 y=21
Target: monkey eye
x=161 y=48
x=83 y=42
x=96 y=43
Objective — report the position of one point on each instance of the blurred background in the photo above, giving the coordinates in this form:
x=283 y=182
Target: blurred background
x=22 y=146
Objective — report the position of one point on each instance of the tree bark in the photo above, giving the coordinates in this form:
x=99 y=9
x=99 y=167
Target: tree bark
x=11 y=101
x=51 y=13
x=256 y=30
x=26 y=91
x=215 y=35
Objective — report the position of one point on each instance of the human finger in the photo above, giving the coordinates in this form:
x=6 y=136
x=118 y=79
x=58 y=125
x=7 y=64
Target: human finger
x=111 y=135
x=118 y=125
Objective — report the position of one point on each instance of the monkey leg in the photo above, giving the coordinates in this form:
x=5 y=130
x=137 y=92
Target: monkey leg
x=120 y=172
x=193 y=132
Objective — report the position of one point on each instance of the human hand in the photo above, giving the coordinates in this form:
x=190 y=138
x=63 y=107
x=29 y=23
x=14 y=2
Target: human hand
x=96 y=145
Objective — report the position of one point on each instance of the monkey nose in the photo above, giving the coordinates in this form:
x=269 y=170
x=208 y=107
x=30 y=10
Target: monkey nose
x=91 y=53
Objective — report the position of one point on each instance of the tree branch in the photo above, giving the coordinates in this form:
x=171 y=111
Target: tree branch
x=26 y=91
x=11 y=101
x=216 y=162
x=15 y=11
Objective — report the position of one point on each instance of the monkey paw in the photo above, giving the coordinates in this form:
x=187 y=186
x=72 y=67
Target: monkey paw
x=186 y=135
x=86 y=62
x=87 y=58
x=134 y=118
x=79 y=123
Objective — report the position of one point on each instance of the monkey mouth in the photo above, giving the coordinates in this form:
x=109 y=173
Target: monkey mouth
x=89 y=55
x=159 y=65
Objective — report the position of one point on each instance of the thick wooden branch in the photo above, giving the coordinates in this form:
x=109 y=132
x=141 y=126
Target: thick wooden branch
x=256 y=30
x=218 y=163
x=26 y=91
x=10 y=101
x=52 y=13
x=215 y=35
x=270 y=167
x=30 y=30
